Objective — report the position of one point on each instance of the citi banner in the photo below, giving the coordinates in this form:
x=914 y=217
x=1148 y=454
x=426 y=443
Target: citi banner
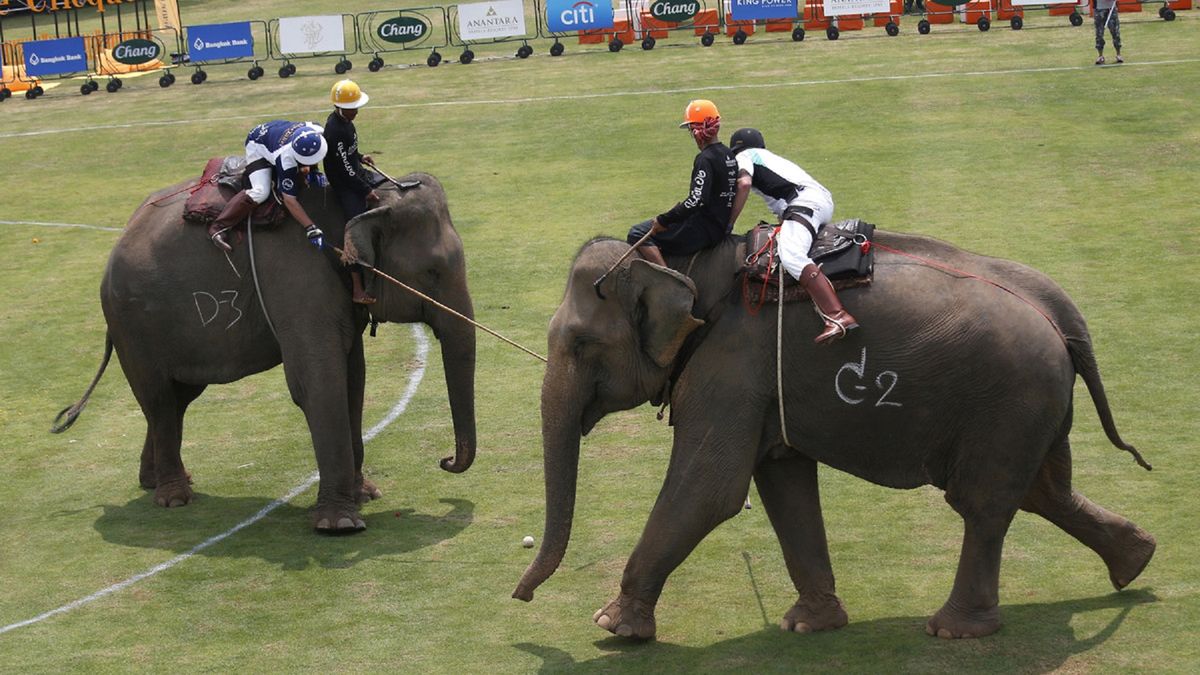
x=565 y=16
x=487 y=20
x=51 y=57
x=217 y=41
x=311 y=34
x=747 y=10
x=844 y=7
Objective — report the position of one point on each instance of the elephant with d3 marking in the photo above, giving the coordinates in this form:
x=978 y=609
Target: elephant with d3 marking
x=182 y=316
x=959 y=383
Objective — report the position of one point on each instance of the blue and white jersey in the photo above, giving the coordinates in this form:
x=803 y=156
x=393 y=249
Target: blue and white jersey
x=777 y=180
x=272 y=141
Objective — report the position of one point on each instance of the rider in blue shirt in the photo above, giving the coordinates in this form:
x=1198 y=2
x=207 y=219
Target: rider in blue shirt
x=280 y=152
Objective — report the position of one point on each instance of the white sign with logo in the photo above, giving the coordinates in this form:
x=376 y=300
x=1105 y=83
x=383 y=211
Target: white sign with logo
x=487 y=20
x=844 y=7
x=311 y=34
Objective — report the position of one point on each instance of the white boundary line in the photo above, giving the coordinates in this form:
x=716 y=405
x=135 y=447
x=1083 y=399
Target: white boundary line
x=614 y=94
x=79 y=225
x=413 y=380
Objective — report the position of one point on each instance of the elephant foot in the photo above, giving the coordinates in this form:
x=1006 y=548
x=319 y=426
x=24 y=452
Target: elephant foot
x=809 y=615
x=627 y=618
x=952 y=624
x=367 y=490
x=173 y=493
x=337 y=520
x=1129 y=556
x=148 y=481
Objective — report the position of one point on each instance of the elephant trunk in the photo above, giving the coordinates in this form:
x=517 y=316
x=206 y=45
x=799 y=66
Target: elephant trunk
x=561 y=431
x=457 y=338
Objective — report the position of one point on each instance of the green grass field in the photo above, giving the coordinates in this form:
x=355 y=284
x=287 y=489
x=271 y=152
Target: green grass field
x=1006 y=143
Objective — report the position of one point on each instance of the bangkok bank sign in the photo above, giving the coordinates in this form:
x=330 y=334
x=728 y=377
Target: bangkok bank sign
x=565 y=16
x=674 y=11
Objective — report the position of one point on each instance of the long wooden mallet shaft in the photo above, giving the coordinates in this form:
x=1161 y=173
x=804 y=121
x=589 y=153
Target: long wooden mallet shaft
x=600 y=280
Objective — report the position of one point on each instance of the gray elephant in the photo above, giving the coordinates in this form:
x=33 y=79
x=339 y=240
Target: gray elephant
x=183 y=315
x=961 y=377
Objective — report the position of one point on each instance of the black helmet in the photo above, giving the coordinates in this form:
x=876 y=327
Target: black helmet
x=746 y=138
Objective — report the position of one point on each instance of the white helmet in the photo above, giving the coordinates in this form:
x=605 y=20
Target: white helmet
x=309 y=146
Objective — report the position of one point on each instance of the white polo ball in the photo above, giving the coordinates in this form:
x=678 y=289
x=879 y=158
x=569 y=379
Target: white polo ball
x=527 y=542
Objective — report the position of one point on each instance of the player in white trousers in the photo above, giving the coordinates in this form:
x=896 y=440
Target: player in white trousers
x=803 y=207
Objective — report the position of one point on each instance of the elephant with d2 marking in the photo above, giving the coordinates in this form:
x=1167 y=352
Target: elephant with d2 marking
x=182 y=316
x=951 y=381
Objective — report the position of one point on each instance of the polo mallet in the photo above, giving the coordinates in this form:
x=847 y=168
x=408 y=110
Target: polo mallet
x=408 y=184
x=600 y=280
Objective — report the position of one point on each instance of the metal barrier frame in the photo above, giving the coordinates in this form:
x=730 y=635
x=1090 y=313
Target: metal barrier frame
x=99 y=43
x=7 y=56
x=641 y=10
x=344 y=64
x=523 y=52
x=256 y=71
x=369 y=41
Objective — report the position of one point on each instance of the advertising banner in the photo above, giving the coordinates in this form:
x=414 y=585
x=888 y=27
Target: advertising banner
x=488 y=20
x=750 y=10
x=674 y=11
x=167 y=12
x=51 y=57
x=402 y=29
x=217 y=41
x=565 y=16
x=844 y=7
x=311 y=34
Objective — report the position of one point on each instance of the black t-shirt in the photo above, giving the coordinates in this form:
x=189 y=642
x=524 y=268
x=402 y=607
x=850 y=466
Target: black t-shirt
x=710 y=194
x=343 y=162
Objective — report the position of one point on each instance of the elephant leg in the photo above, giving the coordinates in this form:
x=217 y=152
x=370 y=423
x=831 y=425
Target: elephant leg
x=789 y=492
x=706 y=485
x=320 y=391
x=1124 y=547
x=163 y=406
x=355 y=385
x=184 y=395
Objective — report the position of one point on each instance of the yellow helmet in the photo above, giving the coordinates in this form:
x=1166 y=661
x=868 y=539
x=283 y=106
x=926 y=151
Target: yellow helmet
x=346 y=94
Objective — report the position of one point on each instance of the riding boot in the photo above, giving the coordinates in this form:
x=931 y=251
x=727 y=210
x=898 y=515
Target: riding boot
x=838 y=321
x=236 y=211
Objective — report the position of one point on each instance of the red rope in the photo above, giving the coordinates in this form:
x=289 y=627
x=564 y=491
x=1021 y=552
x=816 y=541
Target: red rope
x=189 y=190
x=953 y=270
x=768 y=248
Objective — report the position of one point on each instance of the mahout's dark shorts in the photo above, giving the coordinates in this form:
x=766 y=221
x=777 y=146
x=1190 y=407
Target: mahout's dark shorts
x=683 y=238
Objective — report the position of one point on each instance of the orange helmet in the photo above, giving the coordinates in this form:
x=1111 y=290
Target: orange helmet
x=700 y=111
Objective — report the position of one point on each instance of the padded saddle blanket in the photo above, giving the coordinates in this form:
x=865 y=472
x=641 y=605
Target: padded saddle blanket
x=842 y=249
x=221 y=180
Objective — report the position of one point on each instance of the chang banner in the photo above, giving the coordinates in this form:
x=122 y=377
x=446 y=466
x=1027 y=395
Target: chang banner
x=750 y=10
x=487 y=20
x=844 y=7
x=52 y=57
x=565 y=16
x=311 y=34
x=219 y=41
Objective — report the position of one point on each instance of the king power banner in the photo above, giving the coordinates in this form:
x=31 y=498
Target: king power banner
x=488 y=20
x=750 y=10
x=311 y=34
x=844 y=7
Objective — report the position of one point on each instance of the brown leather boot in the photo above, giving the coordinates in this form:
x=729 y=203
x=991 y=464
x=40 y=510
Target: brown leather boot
x=838 y=321
x=236 y=211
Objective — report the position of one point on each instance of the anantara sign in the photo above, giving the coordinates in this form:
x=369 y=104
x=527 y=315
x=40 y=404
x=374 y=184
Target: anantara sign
x=402 y=29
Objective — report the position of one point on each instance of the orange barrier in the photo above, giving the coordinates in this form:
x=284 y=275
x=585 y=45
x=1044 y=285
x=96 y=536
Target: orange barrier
x=1063 y=10
x=893 y=15
x=732 y=26
x=814 y=16
x=622 y=31
x=936 y=13
x=779 y=26
x=1127 y=6
x=594 y=36
x=106 y=65
x=850 y=22
x=655 y=28
x=11 y=79
x=707 y=22
x=1007 y=11
x=975 y=10
x=1180 y=4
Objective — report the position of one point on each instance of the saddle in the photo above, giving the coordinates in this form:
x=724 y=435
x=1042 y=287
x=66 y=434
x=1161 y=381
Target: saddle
x=223 y=178
x=843 y=251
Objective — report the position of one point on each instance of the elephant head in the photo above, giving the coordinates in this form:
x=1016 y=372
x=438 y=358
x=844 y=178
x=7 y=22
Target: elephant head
x=605 y=355
x=410 y=237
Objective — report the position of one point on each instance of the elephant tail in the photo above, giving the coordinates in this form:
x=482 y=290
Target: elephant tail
x=67 y=416
x=1084 y=360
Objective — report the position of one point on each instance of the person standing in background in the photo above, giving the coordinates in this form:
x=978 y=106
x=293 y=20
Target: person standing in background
x=1104 y=13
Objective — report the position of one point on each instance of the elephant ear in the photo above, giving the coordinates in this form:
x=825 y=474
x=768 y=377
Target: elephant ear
x=666 y=298
x=360 y=235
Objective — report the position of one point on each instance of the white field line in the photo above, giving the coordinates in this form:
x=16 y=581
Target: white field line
x=613 y=94
x=79 y=225
x=413 y=381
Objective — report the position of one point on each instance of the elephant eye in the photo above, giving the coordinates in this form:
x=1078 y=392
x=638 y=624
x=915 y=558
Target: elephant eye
x=582 y=343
